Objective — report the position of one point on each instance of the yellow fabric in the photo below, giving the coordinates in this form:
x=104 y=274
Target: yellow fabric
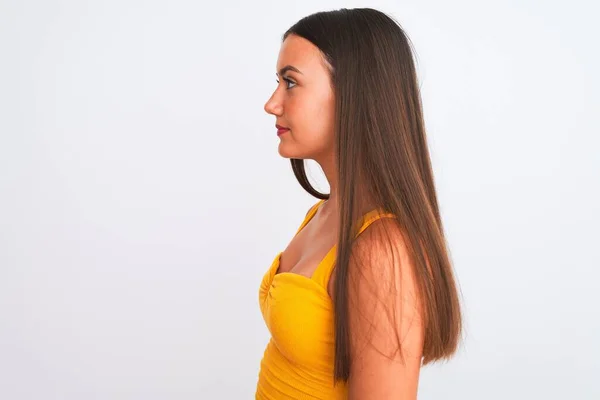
x=299 y=358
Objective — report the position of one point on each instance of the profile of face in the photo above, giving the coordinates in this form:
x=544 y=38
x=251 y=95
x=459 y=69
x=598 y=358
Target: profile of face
x=303 y=101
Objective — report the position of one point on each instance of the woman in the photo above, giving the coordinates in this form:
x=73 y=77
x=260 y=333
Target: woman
x=364 y=293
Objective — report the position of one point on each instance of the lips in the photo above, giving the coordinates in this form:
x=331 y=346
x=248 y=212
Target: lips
x=281 y=129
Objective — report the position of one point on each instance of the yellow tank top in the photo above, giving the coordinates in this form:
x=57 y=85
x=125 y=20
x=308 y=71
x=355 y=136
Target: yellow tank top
x=299 y=358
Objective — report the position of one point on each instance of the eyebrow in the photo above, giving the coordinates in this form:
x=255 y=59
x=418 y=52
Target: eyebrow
x=288 y=68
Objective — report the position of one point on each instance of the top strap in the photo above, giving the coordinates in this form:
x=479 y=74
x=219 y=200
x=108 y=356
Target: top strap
x=371 y=217
x=325 y=268
x=311 y=213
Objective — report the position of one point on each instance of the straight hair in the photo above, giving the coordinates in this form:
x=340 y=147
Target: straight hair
x=381 y=152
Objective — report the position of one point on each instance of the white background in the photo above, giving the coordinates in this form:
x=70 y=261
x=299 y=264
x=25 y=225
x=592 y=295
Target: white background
x=142 y=196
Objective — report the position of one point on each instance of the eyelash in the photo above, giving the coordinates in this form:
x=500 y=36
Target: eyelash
x=288 y=81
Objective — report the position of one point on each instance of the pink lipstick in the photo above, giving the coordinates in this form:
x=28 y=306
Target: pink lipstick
x=281 y=129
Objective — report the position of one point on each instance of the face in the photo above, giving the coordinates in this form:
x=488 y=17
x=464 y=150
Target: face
x=303 y=101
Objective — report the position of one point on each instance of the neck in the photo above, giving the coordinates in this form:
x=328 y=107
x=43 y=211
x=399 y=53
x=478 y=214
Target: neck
x=329 y=167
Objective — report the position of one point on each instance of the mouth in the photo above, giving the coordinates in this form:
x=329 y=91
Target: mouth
x=281 y=129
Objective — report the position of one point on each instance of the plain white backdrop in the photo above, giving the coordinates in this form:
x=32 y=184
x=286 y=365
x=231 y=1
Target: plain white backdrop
x=142 y=196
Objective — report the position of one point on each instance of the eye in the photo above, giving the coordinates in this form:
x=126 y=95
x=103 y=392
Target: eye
x=288 y=81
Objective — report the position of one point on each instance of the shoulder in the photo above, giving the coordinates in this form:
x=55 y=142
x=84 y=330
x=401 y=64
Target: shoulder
x=381 y=265
x=314 y=206
x=383 y=246
x=384 y=311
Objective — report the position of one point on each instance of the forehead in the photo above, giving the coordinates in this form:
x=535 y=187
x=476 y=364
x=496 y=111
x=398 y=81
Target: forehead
x=300 y=53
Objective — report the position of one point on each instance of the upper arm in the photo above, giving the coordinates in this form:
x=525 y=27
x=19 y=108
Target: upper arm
x=385 y=322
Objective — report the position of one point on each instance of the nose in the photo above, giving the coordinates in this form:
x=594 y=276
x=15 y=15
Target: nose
x=273 y=106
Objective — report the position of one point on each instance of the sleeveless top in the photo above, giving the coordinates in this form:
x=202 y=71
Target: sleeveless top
x=299 y=358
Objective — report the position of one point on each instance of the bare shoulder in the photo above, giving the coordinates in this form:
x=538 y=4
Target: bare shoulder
x=375 y=241
x=315 y=205
x=386 y=330
x=381 y=252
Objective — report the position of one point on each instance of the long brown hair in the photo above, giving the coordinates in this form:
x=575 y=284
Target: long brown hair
x=381 y=150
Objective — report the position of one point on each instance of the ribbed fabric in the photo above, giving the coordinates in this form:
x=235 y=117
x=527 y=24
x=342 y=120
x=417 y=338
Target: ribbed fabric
x=299 y=358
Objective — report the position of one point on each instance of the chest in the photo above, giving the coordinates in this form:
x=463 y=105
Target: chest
x=307 y=250
x=299 y=314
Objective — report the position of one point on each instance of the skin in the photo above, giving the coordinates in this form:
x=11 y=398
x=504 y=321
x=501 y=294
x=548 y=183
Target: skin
x=304 y=102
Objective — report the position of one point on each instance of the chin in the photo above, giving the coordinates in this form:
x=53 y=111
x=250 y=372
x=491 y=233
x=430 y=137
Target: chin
x=286 y=152
x=292 y=150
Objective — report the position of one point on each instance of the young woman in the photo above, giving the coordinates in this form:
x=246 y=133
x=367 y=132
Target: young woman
x=364 y=293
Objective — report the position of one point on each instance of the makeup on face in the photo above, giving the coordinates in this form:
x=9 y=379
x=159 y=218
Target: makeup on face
x=281 y=129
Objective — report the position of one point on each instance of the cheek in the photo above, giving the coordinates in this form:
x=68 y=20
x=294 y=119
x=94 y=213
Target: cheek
x=313 y=121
